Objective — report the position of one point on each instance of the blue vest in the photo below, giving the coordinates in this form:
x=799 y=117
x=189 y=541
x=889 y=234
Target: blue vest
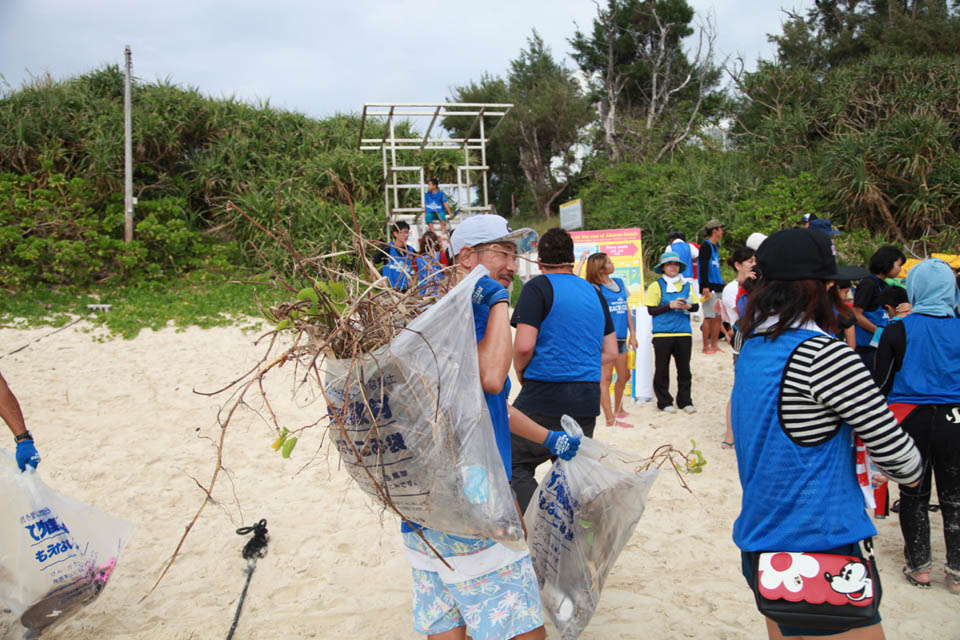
x=399 y=270
x=682 y=249
x=794 y=498
x=930 y=373
x=617 y=304
x=675 y=320
x=878 y=317
x=428 y=274
x=714 y=275
x=570 y=339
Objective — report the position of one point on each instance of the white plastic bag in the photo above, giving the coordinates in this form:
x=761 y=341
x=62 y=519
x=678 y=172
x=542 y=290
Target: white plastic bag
x=415 y=424
x=56 y=554
x=578 y=522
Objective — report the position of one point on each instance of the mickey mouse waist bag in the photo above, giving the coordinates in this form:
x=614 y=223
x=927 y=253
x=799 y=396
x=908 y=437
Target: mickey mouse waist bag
x=819 y=590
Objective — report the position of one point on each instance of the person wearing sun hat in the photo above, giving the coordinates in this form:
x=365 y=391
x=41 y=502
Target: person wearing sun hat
x=798 y=396
x=669 y=301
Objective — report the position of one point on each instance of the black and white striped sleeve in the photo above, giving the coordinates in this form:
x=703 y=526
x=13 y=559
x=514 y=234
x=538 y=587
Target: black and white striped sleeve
x=825 y=383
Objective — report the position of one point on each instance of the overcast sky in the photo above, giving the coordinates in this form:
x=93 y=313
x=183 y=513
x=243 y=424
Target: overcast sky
x=325 y=56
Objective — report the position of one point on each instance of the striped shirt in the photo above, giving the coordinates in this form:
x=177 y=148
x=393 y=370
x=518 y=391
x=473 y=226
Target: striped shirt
x=824 y=384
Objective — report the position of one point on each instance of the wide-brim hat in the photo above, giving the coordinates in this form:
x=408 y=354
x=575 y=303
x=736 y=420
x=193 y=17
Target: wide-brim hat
x=669 y=256
x=798 y=254
x=488 y=228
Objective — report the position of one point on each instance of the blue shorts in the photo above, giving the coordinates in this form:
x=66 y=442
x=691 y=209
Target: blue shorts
x=750 y=572
x=435 y=215
x=500 y=604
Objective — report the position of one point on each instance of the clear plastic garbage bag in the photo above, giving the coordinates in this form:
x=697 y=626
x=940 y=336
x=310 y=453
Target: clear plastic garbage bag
x=56 y=554
x=411 y=425
x=578 y=522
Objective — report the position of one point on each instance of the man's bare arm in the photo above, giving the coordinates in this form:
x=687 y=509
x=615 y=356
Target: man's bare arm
x=523 y=345
x=10 y=409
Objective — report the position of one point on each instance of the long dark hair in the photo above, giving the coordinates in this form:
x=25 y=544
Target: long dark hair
x=793 y=302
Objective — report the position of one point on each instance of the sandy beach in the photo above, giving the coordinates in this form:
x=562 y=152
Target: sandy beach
x=119 y=427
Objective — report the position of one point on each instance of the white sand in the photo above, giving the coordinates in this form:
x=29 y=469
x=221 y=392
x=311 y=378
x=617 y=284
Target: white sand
x=119 y=427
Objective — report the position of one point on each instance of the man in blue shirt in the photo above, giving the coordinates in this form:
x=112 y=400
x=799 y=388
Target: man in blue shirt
x=437 y=206
x=397 y=258
x=472 y=597
x=564 y=336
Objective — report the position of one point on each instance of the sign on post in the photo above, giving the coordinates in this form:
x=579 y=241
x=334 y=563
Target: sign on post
x=571 y=215
x=624 y=248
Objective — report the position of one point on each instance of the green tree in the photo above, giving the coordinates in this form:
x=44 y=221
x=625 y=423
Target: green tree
x=651 y=95
x=538 y=139
x=838 y=32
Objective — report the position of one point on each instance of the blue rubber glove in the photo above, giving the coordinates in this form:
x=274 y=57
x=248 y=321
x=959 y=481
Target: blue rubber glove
x=562 y=445
x=489 y=292
x=27 y=455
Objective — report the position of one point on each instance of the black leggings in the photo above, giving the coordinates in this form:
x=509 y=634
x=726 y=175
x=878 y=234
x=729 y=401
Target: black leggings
x=935 y=430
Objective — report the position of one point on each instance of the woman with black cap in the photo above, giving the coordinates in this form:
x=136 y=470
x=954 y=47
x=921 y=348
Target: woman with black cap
x=798 y=396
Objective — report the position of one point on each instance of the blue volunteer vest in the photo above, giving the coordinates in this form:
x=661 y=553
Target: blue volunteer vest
x=878 y=317
x=617 y=304
x=930 y=373
x=428 y=274
x=682 y=249
x=714 y=275
x=794 y=498
x=398 y=270
x=675 y=320
x=570 y=339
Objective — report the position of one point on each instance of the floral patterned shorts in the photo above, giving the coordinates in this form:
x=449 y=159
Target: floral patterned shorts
x=498 y=605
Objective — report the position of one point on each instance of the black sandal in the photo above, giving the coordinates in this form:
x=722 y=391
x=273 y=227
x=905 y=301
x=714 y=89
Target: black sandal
x=909 y=576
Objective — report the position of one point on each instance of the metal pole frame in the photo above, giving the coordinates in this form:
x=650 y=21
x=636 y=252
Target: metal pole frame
x=432 y=110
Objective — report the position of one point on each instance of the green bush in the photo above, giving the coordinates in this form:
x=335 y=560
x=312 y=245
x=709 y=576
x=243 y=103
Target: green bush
x=55 y=232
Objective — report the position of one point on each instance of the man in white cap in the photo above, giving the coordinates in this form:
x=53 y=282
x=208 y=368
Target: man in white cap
x=470 y=598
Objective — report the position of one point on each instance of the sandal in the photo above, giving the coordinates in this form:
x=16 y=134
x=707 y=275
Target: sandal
x=624 y=425
x=726 y=445
x=953 y=586
x=912 y=580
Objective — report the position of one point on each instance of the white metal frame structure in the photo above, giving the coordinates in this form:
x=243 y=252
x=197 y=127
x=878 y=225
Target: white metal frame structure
x=389 y=144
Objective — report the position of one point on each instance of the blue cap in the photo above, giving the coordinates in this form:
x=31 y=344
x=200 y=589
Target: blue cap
x=823 y=226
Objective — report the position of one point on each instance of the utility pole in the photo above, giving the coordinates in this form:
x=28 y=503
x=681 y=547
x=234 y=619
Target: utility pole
x=127 y=153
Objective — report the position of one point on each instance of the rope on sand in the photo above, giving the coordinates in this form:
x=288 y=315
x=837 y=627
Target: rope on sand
x=255 y=549
x=46 y=335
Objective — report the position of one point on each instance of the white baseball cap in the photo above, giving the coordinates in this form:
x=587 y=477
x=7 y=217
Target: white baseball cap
x=488 y=228
x=755 y=239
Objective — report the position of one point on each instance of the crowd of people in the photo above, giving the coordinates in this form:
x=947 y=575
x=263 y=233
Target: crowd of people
x=817 y=368
x=823 y=357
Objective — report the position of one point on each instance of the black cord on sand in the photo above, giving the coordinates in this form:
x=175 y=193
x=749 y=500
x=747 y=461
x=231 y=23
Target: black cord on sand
x=255 y=549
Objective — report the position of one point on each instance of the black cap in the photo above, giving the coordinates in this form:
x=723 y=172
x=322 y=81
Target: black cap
x=797 y=254
x=807 y=217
